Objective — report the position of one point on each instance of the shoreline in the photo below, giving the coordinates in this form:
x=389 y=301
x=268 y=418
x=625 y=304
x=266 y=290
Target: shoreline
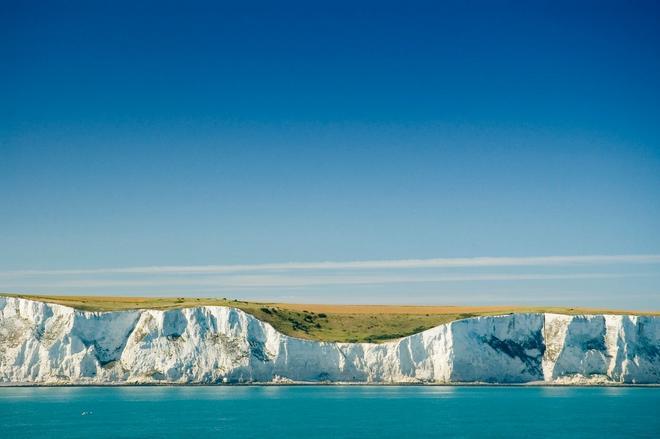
x=340 y=384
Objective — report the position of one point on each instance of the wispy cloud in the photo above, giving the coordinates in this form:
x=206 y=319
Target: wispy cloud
x=446 y=278
x=399 y=264
x=306 y=280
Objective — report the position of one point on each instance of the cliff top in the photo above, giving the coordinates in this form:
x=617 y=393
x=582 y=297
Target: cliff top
x=352 y=323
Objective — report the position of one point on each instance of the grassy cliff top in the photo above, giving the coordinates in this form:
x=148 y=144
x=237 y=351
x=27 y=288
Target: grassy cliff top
x=344 y=323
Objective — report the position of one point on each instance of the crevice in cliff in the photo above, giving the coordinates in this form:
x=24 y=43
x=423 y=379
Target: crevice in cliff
x=530 y=351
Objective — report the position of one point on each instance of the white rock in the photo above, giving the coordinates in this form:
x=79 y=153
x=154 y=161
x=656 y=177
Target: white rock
x=44 y=343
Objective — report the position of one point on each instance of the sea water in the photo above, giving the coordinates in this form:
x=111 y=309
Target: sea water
x=329 y=412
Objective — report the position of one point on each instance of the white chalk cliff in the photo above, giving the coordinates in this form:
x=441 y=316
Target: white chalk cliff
x=42 y=343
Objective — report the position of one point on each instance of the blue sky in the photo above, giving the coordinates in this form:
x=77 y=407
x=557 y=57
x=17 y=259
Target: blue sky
x=163 y=135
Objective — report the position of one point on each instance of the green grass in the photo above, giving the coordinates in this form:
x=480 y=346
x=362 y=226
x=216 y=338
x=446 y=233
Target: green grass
x=344 y=323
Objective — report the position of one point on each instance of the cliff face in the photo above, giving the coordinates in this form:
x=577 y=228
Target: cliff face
x=44 y=343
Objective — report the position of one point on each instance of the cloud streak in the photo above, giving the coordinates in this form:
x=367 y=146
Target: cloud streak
x=399 y=264
x=271 y=281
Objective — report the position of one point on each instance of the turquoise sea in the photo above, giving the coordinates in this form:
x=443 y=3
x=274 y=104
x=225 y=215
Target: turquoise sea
x=329 y=412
